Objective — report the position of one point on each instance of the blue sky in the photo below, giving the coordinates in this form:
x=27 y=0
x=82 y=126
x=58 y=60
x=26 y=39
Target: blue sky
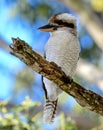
x=8 y=29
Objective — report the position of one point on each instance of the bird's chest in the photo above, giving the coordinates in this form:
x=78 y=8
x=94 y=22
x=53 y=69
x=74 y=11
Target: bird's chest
x=59 y=48
x=64 y=51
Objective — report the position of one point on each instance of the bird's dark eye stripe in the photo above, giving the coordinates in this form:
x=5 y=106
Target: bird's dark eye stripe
x=60 y=22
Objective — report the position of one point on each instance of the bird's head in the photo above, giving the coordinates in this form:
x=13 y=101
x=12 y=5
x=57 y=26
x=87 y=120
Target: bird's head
x=60 y=21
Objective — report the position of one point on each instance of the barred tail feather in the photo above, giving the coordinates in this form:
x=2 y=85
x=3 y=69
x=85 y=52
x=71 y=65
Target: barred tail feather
x=49 y=111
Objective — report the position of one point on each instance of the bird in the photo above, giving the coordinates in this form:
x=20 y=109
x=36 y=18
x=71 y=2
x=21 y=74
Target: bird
x=61 y=49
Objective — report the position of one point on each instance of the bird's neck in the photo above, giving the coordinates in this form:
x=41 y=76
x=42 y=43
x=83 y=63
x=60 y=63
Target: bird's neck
x=64 y=32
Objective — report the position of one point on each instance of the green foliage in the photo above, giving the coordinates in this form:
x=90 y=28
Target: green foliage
x=21 y=117
x=25 y=79
x=30 y=11
x=66 y=123
x=28 y=116
x=24 y=82
x=18 y=117
x=97 y=5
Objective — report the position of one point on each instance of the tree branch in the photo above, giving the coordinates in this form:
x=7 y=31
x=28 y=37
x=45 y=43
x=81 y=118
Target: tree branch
x=85 y=98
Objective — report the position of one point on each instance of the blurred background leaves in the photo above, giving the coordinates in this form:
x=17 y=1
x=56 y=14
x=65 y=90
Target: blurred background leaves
x=21 y=95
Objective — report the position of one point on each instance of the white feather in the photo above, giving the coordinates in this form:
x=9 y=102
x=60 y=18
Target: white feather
x=67 y=17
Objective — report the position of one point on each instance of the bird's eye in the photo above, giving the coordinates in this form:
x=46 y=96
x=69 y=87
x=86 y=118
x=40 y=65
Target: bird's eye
x=55 y=28
x=65 y=24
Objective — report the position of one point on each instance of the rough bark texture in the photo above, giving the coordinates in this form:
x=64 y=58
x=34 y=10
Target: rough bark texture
x=85 y=98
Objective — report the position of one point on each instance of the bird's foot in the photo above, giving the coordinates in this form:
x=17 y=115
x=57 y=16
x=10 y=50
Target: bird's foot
x=56 y=66
x=67 y=79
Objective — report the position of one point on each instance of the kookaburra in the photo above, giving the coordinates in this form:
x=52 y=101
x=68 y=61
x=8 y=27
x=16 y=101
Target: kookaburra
x=62 y=48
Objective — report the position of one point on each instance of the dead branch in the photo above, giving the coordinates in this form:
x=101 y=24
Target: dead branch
x=85 y=98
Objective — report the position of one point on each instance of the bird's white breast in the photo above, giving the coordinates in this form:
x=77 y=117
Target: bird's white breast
x=63 y=48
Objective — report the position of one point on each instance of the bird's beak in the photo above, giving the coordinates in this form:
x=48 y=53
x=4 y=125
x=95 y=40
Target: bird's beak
x=47 y=28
